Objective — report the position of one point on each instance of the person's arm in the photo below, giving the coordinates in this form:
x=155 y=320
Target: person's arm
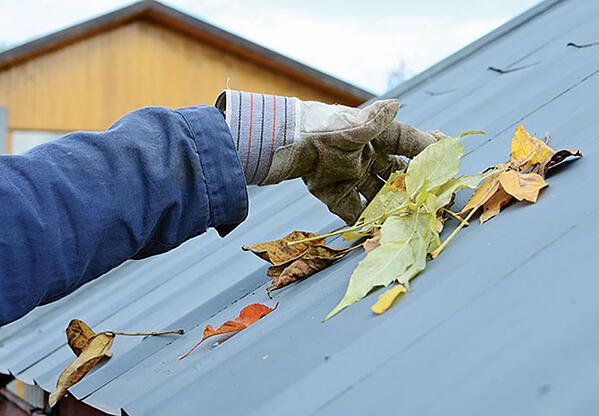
x=77 y=207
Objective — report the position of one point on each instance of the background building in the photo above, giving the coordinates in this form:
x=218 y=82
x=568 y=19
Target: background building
x=87 y=76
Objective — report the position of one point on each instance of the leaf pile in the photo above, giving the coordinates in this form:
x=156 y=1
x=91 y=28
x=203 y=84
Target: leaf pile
x=90 y=348
x=402 y=223
x=247 y=316
x=296 y=262
x=522 y=177
x=408 y=210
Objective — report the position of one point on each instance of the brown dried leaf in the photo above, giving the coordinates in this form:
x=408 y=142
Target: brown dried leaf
x=494 y=204
x=313 y=260
x=557 y=158
x=78 y=335
x=97 y=348
x=373 y=242
x=522 y=186
x=278 y=252
x=484 y=192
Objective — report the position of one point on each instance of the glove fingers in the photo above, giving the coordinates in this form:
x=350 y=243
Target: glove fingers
x=384 y=166
x=365 y=124
x=342 y=199
x=370 y=186
x=402 y=139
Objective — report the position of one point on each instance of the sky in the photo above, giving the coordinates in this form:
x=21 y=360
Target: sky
x=361 y=42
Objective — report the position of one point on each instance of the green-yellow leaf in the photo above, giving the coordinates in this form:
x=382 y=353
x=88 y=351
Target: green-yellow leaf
x=445 y=191
x=401 y=256
x=391 y=196
x=434 y=166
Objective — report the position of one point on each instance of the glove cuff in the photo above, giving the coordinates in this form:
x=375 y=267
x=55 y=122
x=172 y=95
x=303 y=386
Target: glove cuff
x=259 y=124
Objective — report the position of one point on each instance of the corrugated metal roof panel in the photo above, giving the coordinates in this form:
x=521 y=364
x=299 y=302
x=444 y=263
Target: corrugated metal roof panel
x=501 y=323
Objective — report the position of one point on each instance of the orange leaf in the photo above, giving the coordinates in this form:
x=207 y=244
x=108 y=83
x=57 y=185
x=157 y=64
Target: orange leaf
x=247 y=316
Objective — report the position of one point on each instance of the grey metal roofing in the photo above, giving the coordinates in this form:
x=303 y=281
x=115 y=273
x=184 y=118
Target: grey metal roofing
x=503 y=322
x=155 y=11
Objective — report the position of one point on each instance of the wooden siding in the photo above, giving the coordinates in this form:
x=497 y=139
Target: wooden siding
x=89 y=84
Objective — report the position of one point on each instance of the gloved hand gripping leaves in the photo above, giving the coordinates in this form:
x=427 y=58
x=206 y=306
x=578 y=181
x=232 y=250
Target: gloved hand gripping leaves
x=341 y=153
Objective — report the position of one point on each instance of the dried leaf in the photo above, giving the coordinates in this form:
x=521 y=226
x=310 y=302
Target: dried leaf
x=484 y=192
x=313 y=260
x=440 y=222
x=97 y=348
x=494 y=204
x=247 y=316
x=373 y=242
x=522 y=177
x=387 y=299
x=558 y=158
x=78 y=335
x=527 y=151
x=279 y=252
x=522 y=186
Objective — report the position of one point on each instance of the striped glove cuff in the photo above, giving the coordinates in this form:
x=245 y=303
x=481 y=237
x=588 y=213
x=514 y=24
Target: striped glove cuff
x=259 y=124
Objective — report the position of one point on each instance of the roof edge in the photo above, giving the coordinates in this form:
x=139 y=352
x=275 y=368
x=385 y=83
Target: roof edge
x=470 y=49
x=159 y=12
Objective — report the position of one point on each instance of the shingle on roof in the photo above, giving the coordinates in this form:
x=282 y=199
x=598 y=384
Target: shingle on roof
x=502 y=323
x=155 y=11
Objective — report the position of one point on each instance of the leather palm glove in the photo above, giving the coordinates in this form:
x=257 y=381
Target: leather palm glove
x=343 y=154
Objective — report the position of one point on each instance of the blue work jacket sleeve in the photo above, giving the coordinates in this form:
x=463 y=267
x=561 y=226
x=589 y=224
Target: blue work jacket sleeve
x=74 y=208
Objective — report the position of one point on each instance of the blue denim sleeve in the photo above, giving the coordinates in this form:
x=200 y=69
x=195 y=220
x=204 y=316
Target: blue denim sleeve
x=77 y=207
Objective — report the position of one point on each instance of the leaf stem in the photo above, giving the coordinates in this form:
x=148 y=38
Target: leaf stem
x=352 y=228
x=456 y=216
x=146 y=334
x=321 y=236
x=438 y=250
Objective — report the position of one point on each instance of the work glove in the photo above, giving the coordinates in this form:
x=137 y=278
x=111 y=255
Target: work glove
x=343 y=154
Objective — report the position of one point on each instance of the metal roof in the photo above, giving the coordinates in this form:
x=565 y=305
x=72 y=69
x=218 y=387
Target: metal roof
x=157 y=12
x=503 y=322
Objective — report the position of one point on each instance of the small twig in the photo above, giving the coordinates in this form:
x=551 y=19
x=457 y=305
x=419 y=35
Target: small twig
x=146 y=334
x=189 y=351
x=435 y=253
x=354 y=247
x=352 y=228
x=471 y=132
x=321 y=236
x=456 y=216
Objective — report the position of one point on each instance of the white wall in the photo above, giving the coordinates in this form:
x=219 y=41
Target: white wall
x=23 y=140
